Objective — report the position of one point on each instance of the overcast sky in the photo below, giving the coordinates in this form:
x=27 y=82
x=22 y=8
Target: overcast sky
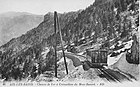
x=43 y=6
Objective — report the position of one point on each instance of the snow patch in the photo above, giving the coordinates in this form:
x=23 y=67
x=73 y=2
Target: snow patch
x=80 y=75
x=126 y=46
x=119 y=43
x=126 y=67
x=62 y=60
x=92 y=33
x=61 y=64
x=45 y=52
x=81 y=53
x=113 y=46
x=112 y=60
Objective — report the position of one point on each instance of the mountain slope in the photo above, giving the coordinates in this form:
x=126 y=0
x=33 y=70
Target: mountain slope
x=14 y=24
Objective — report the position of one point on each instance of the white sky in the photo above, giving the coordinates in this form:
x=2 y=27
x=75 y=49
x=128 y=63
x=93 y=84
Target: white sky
x=43 y=6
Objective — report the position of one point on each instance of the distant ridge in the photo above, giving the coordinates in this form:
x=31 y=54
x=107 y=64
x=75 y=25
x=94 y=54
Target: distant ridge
x=13 y=24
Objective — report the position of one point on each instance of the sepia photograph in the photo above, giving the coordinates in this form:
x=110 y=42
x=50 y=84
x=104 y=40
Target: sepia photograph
x=69 y=43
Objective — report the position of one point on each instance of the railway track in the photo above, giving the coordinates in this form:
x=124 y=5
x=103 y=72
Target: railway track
x=108 y=76
x=111 y=76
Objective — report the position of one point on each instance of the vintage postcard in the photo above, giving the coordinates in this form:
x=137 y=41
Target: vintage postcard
x=69 y=43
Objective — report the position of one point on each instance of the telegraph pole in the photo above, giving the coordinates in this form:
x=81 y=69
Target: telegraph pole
x=55 y=44
x=62 y=44
x=56 y=25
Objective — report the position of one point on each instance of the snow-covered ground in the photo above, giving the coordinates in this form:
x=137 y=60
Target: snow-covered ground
x=114 y=59
x=45 y=52
x=79 y=74
x=126 y=67
x=70 y=65
x=127 y=45
x=120 y=62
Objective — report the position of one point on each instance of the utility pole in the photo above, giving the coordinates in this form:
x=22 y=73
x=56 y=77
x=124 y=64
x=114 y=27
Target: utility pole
x=62 y=44
x=55 y=44
x=56 y=25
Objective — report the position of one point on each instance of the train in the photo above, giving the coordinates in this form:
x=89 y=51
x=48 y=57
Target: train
x=98 y=58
